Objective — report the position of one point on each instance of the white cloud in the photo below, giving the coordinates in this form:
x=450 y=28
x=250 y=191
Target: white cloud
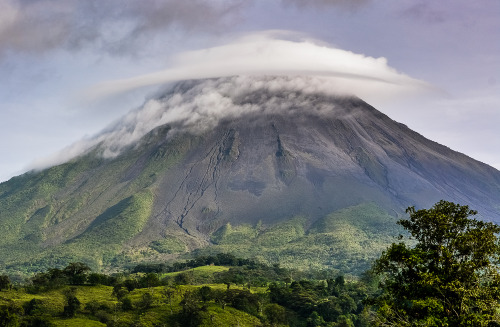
x=263 y=53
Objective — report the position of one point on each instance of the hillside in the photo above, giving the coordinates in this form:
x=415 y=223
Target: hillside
x=259 y=169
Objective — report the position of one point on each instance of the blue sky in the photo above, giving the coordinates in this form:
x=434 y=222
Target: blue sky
x=64 y=63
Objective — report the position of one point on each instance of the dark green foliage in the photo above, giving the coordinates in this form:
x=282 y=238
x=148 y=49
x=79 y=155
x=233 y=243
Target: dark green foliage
x=76 y=272
x=150 y=268
x=52 y=279
x=100 y=279
x=183 y=278
x=243 y=300
x=9 y=316
x=126 y=304
x=449 y=278
x=72 y=303
x=34 y=307
x=120 y=291
x=321 y=304
x=205 y=293
x=149 y=280
x=275 y=314
x=4 y=282
x=191 y=314
x=37 y=322
x=146 y=301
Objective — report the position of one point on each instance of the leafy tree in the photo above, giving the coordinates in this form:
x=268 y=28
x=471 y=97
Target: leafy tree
x=150 y=280
x=72 y=303
x=130 y=284
x=126 y=303
x=99 y=279
x=9 y=316
x=315 y=320
x=191 y=314
x=34 y=307
x=77 y=273
x=37 y=322
x=205 y=293
x=4 y=282
x=169 y=293
x=183 y=278
x=275 y=314
x=119 y=291
x=52 y=279
x=146 y=302
x=243 y=300
x=449 y=278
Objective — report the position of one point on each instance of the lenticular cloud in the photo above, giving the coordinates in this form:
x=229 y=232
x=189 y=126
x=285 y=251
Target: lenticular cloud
x=269 y=53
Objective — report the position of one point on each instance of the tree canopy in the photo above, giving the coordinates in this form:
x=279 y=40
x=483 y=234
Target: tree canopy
x=446 y=275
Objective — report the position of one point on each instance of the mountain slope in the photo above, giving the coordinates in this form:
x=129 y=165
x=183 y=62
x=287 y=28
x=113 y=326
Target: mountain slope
x=257 y=154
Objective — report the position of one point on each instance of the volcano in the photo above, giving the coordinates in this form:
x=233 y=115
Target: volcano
x=260 y=166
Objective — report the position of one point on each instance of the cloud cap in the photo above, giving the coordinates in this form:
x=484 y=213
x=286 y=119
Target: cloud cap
x=278 y=53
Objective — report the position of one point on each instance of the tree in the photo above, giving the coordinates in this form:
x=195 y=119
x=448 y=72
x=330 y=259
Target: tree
x=449 y=277
x=9 y=315
x=191 y=314
x=72 y=303
x=4 y=282
x=76 y=273
x=275 y=314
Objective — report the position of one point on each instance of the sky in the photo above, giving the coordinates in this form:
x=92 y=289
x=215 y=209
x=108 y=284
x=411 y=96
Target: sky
x=70 y=68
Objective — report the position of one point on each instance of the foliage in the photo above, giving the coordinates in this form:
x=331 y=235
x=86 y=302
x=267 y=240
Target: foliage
x=4 y=282
x=325 y=303
x=147 y=299
x=72 y=303
x=76 y=272
x=168 y=245
x=52 y=206
x=347 y=240
x=449 y=278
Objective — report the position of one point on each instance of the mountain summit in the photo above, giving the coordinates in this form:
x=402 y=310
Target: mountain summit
x=228 y=162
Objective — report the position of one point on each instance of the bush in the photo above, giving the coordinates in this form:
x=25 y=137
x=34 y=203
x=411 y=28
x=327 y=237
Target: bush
x=4 y=282
x=72 y=303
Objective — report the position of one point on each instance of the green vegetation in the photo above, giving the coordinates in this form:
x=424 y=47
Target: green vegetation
x=450 y=277
x=346 y=241
x=60 y=215
x=446 y=276
x=74 y=296
x=168 y=245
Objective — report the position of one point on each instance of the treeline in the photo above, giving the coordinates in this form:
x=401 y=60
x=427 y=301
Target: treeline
x=272 y=295
x=220 y=259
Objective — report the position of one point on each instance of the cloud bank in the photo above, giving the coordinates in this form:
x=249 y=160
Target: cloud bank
x=119 y=27
x=325 y=3
x=113 y=25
